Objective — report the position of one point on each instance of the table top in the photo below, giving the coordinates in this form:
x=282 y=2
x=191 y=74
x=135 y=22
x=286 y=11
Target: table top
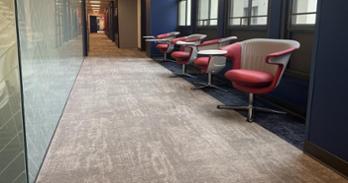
x=212 y=52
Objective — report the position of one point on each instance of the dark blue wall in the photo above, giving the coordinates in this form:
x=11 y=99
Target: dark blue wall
x=328 y=119
x=162 y=18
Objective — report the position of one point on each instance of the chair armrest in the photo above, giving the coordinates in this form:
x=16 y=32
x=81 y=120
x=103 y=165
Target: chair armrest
x=184 y=43
x=158 y=40
x=228 y=39
x=175 y=33
x=212 y=52
x=149 y=37
x=276 y=57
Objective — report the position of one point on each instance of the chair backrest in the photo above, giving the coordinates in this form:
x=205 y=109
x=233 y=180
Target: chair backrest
x=169 y=35
x=255 y=51
x=268 y=55
x=216 y=43
x=195 y=38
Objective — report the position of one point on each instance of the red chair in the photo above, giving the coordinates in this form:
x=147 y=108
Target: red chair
x=211 y=62
x=164 y=42
x=258 y=67
x=188 y=51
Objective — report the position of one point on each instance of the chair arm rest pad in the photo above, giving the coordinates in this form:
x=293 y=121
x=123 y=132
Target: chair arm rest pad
x=281 y=53
x=212 y=52
x=149 y=37
x=227 y=39
x=184 y=43
x=158 y=40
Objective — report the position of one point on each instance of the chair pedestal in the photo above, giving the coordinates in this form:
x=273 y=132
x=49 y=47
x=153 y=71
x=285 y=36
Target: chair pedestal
x=250 y=108
x=183 y=73
x=207 y=85
x=165 y=58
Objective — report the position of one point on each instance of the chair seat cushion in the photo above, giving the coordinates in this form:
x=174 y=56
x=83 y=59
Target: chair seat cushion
x=162 y=46
x=249 y=78
x=163 y=36
x=180 y=55
x=202 y=62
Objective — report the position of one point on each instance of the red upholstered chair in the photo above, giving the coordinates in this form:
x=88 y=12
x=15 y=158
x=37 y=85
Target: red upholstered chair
x=188 y=51
x=210 y=62
x=164 y=42
x=258 y=67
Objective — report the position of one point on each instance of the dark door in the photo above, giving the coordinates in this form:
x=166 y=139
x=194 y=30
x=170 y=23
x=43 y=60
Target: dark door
x=93 y=24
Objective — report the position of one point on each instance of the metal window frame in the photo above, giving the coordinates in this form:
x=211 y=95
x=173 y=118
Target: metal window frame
x=209 y=16
x=249 y=26
x=186 y=10
x=298 y=27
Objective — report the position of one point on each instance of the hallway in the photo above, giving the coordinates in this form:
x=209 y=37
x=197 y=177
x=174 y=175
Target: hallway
x=101 y=46
x=128 y=121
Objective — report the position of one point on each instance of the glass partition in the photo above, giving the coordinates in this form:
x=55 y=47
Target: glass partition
x=12 y=148
x=51 y=55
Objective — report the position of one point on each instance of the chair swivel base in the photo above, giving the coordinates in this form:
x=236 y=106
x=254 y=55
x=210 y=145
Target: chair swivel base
x=183 y=73
x=161 y=60
x=250 y=110
x=187 y=75
x=168 y=60
x=207 y=86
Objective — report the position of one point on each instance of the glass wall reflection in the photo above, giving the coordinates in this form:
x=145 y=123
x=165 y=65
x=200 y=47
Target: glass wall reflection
x=12 y=149
x=51 y=54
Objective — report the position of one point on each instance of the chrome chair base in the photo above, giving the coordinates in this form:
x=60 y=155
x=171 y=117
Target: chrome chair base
x=250 y=108
x=183 y=73
x=165 y=59
x=207 y=85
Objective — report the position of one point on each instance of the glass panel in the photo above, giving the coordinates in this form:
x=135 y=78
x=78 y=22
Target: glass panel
x=12 y=149
x=51 y=52
x=238 y=10
x=259 y=8
x=214 y=8
x=213 y=22
x=182 y=13
x=189 y=7
x=304 y=19
x=203 y=10
x=304 y=6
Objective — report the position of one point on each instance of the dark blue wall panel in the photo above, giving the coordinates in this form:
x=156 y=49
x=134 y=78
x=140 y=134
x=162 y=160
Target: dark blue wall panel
x=328 y=119
x=163 y=18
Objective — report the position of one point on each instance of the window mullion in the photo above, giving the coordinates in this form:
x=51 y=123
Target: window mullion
x=186 y=13
x=209 y=12
x=250 y=12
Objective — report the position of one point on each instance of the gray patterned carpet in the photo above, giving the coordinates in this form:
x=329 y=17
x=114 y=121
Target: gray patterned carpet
x=127 y=121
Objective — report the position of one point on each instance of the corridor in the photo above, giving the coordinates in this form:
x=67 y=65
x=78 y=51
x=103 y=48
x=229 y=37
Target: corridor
x=101 y=46
x=128 y=121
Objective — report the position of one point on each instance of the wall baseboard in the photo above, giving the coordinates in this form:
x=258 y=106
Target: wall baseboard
x=325 y=157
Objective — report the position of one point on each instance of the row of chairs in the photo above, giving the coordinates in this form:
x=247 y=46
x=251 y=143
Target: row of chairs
x=258 y=64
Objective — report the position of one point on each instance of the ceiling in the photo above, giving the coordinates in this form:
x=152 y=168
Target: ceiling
x=97 y=6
